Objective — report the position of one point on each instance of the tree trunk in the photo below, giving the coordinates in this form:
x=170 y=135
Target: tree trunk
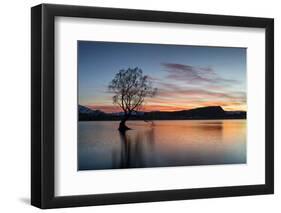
x=122 y=126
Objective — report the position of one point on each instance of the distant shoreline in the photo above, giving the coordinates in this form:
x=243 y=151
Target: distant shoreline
x=201 y=113
x=190 y=119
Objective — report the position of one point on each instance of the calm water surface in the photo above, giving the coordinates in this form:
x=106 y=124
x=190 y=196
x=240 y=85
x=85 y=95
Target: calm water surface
x=163 y=143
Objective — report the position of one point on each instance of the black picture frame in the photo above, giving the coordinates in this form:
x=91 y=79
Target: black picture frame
x=43 y=111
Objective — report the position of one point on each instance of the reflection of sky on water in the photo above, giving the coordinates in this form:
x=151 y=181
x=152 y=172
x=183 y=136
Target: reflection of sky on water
x=166 y=143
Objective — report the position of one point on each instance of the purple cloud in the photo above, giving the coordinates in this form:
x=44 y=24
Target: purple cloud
x=192 y=74
x=170 y=90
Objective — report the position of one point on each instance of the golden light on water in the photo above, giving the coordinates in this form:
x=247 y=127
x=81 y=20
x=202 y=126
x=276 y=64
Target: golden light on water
x=164 y=143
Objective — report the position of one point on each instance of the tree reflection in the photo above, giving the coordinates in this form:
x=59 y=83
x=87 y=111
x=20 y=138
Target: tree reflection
x=167 y=143
x=136 y=148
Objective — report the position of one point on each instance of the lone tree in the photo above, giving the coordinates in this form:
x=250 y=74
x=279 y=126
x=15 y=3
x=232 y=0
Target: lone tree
x=130 y=87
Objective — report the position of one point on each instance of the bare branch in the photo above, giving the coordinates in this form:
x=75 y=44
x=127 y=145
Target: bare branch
x=130 y=88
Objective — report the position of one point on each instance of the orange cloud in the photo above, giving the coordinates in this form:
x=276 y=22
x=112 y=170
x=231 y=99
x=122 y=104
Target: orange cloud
x=105 y=108
x=228 y=106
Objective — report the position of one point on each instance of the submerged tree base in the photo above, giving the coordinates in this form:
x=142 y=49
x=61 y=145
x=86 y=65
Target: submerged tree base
x=123 y=127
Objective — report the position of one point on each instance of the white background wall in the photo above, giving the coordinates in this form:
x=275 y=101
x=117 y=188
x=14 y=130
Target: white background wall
x=15 y=105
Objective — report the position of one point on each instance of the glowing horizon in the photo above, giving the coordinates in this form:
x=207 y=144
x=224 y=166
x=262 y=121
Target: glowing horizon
x=164 y=108
x=187 y=77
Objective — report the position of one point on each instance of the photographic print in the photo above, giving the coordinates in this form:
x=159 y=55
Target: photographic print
x=160 y=105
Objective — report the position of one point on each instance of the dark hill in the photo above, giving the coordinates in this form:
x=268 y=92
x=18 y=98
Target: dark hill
x=210 y=112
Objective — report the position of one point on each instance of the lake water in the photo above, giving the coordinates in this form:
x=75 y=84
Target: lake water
x=161 y=144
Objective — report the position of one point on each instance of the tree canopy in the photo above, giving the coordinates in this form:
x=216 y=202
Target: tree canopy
x=130 y=88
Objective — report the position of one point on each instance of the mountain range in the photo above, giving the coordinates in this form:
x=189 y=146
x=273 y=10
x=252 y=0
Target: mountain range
x=209 y=112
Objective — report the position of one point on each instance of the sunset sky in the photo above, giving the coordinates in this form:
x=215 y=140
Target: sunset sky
x=186 y=76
